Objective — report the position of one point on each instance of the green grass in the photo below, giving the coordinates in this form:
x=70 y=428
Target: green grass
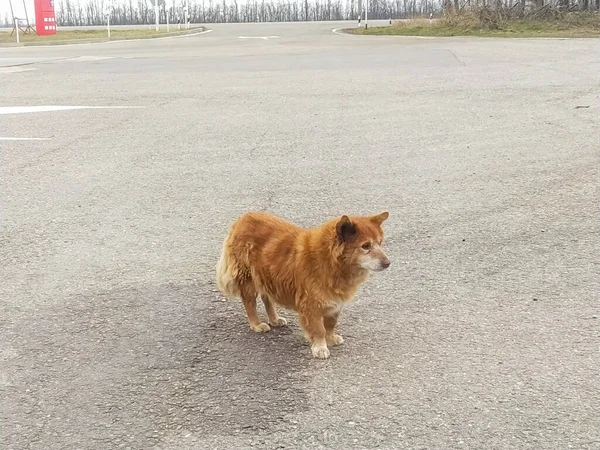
x=568 y=25
x=73 y=35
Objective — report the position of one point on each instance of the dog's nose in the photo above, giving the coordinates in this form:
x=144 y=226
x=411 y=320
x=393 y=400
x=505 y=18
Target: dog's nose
x=385 y=264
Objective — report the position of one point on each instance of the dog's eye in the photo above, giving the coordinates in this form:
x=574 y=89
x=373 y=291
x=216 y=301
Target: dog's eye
x=366 y=246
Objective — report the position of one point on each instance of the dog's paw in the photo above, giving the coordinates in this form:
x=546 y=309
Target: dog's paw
x=260 y=328
x=335 y=339
x=320 y=352
x=279 y=322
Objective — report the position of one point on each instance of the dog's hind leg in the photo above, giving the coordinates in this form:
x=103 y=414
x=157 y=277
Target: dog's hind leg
x=275 y=320
x=249 y=300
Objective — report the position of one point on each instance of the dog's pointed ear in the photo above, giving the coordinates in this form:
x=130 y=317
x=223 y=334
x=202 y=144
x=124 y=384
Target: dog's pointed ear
x=345 y=229
x=380 y=218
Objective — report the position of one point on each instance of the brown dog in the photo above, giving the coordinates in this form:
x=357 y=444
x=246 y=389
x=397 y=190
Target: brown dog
x=312 y=271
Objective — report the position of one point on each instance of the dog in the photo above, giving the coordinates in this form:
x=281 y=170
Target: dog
x=314 y=272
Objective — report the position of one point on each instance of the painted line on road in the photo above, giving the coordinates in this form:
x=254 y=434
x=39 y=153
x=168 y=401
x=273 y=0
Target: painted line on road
x=258 y=37
x=16 y=69
x=89 y=58
x=158 y=38
x=23 y=139
x=337 y=31
x=48 y=108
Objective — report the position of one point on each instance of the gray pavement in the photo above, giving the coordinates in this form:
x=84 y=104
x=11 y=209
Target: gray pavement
x=483 y=334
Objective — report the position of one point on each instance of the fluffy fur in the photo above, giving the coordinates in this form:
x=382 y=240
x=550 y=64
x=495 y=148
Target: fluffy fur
x=311 y=271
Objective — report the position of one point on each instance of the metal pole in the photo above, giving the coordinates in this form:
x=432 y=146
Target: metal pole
x=17 y=27
x=108 y=24
x=12 y=14
x=156 y=13
x=187 y=13
x=26 y=15
x=167 y=14
x=366 y=14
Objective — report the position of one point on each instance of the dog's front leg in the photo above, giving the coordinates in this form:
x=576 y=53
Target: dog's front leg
x=330 y=320
x=312 y=322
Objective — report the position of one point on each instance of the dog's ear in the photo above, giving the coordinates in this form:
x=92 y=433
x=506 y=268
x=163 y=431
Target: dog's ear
x=345 y=229
x=380 y=218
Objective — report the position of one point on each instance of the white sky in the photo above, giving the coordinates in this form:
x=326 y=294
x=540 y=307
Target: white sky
x=18 y=8
x=20 y=12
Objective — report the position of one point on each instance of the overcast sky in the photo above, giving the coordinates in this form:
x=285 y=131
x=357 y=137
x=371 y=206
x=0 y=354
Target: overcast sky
x=19 y=10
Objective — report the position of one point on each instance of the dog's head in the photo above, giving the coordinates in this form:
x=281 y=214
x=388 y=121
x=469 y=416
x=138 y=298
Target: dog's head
x=361 y=238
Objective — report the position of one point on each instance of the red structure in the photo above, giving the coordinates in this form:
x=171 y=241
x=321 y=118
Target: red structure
x=45 y=22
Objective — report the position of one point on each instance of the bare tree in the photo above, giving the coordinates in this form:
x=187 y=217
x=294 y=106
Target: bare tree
x=70 y=12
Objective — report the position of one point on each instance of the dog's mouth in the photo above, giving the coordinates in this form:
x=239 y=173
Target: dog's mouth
x=374 y=265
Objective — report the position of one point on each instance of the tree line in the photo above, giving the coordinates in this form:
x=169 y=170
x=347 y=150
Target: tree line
x=139 y=12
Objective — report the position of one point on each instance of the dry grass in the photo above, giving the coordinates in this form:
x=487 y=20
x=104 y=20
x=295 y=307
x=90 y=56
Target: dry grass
x=417 y=22
x=490 y=23
x=95 y=34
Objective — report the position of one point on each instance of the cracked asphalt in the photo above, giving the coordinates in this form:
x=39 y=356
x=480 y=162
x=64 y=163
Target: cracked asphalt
x=483 y=334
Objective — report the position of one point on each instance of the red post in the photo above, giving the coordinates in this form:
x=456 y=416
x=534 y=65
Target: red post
x=45 y=21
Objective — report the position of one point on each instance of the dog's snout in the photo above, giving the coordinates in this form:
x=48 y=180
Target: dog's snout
x=385 y=263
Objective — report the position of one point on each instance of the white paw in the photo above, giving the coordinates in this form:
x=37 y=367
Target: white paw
x=335 y=339
x=279 y=322
x=320 y=352
x=260 y=328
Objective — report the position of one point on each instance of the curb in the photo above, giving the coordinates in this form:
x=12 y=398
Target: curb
x=347 y=32
x=191 y=31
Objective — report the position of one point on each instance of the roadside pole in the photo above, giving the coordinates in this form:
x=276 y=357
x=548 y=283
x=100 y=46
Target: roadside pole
x=17 y=28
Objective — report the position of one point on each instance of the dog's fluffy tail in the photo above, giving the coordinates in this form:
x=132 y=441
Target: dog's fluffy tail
x=227 y=272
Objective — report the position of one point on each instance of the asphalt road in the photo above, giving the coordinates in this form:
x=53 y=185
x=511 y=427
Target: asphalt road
x=483 y=334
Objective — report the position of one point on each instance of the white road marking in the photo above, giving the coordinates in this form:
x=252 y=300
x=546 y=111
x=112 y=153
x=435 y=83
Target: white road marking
x=90 y=58
x=337 y=31
x=155 y=39
x=47 y=108
x=16 y=69
x=23 y=139
x=258 y=37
